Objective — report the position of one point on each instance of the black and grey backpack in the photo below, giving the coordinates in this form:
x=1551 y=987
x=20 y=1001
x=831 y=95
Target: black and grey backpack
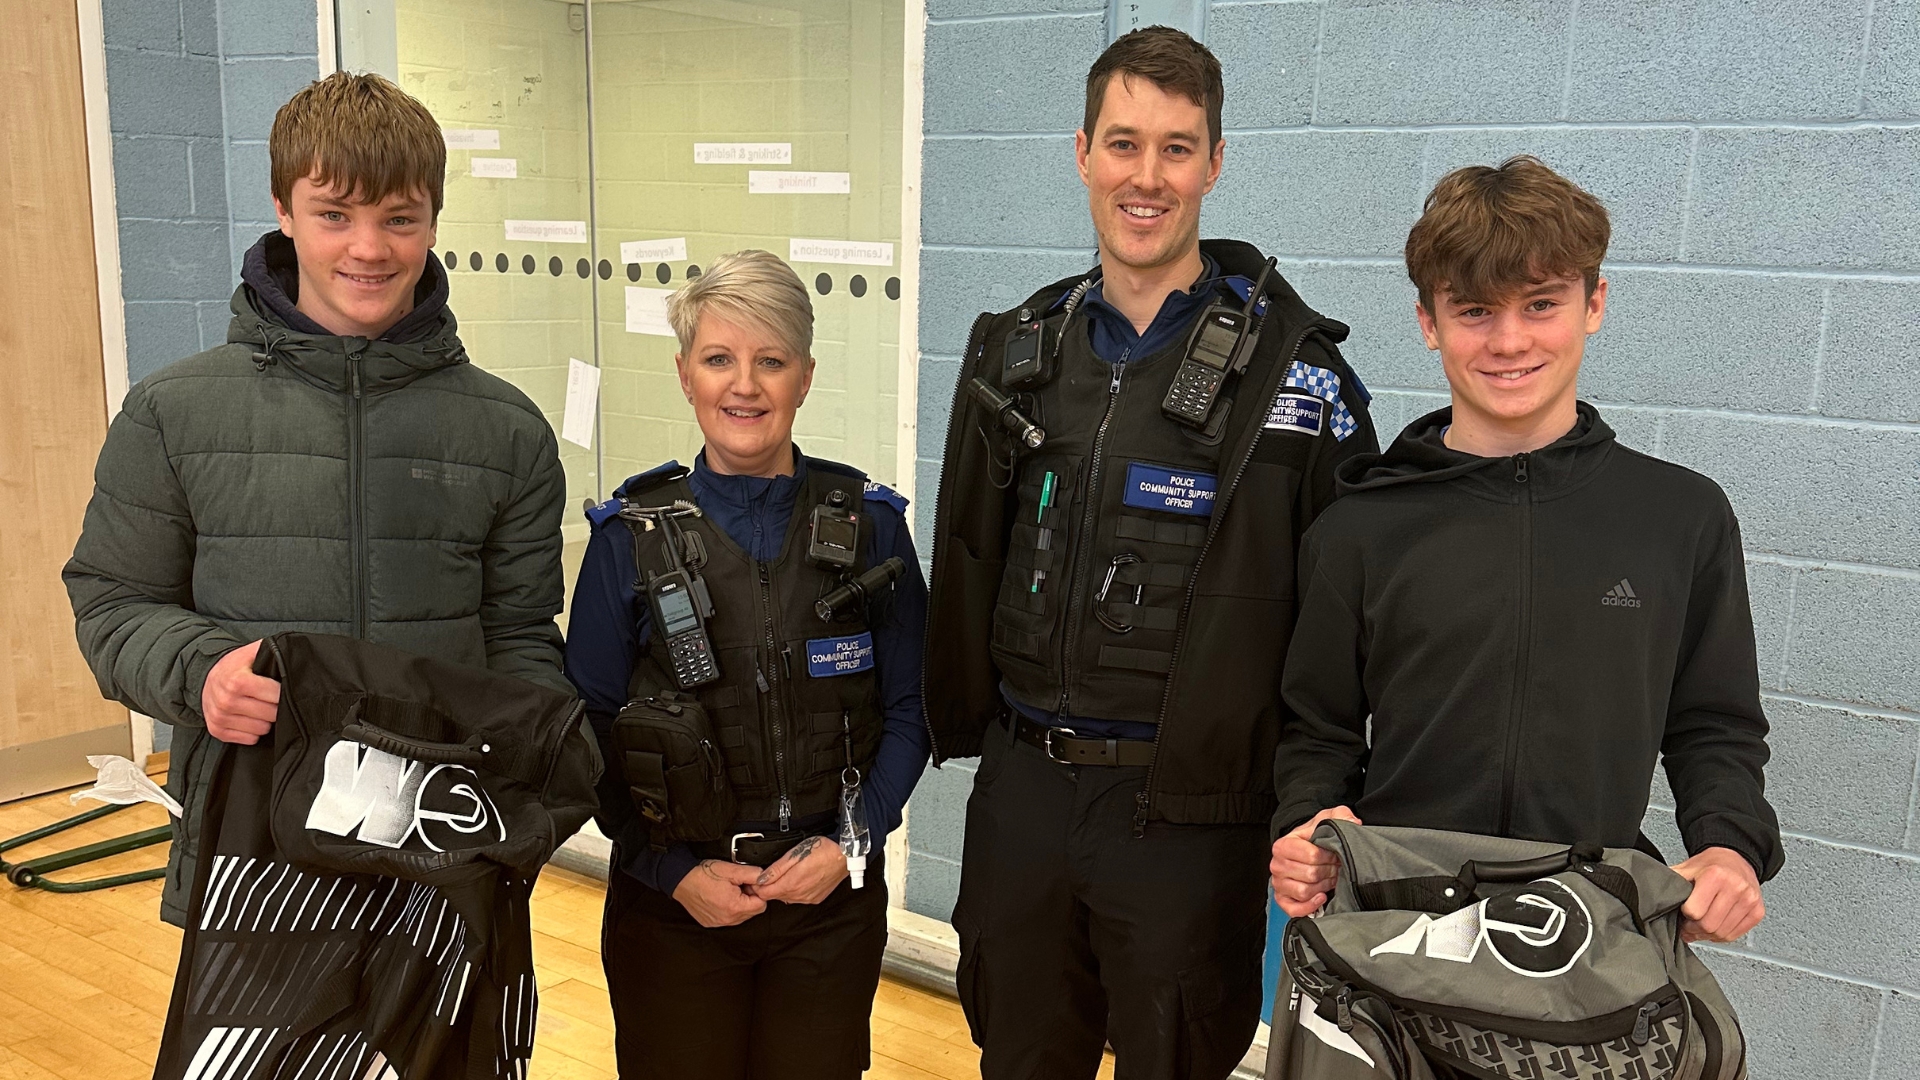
x=1445 y=955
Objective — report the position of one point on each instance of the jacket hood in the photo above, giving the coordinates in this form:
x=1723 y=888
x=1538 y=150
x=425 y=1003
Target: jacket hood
x=1421 y=456
x=265 y=318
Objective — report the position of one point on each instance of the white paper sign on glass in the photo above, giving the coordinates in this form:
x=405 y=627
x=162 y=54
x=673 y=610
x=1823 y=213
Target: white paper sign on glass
x=552 y=232
x=760 y=182
x=471 y=138
x=495 y=168
x=654 y=251
x=647 y=311
x=846 y=252
x=742 y=153
x=583 y=394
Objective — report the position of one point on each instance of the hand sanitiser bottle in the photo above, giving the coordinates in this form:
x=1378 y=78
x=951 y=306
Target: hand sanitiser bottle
x=855 y=841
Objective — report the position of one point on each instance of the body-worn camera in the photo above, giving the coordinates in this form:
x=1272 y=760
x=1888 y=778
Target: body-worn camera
x=835 y=533
x=1029 y=358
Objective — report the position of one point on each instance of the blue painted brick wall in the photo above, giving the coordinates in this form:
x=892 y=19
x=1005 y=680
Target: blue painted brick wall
x=192 y=86
x=1759 y=161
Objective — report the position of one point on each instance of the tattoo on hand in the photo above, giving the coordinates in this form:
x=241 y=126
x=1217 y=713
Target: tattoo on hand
x=804 y=848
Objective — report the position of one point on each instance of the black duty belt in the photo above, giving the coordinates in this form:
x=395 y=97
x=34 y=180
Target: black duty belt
x=1068 y=748
x=750 y=848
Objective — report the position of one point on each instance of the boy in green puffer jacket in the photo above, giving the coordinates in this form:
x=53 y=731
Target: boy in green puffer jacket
x=339 y=466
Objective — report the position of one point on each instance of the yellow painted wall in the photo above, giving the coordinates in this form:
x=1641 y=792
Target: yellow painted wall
x=823 y=75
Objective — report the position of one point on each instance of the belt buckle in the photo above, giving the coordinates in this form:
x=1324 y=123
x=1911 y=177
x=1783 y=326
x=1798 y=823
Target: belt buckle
x=733 y=844
x=1051 y=732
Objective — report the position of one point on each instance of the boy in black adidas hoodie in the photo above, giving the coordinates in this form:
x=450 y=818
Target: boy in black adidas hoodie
x=1530 y=613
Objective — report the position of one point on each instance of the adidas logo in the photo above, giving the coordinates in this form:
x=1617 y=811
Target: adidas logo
x=1620 y=595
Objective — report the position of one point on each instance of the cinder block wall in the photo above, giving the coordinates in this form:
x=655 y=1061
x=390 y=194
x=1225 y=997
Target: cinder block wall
x=1760 y=163
x=192 y=86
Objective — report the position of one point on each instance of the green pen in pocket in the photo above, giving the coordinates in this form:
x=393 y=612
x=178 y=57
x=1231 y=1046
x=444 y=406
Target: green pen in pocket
x=1046 y=494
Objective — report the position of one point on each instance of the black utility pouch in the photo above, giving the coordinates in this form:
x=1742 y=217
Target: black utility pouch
x=674 y=770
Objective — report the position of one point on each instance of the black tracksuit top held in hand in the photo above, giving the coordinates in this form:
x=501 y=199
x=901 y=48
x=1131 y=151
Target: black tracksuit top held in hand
x=1530 y=634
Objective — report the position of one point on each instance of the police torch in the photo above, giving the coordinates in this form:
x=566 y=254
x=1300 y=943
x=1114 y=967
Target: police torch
x=1003 y=407
x=856 y=590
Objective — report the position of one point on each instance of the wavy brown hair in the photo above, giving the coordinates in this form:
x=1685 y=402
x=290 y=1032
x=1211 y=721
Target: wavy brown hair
x=1488 y=232
x=362 y=131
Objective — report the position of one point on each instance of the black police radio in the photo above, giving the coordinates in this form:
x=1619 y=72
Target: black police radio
x=1220 y=347
x=677 y=597
x=680 y=607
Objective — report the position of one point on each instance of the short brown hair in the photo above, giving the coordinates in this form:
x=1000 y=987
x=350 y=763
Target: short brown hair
x=1169 y=60
x=362 y=131
x=1488 y=232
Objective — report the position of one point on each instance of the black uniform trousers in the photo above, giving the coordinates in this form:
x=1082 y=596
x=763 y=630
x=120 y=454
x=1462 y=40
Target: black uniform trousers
x=787 y=994
x=1075 y=933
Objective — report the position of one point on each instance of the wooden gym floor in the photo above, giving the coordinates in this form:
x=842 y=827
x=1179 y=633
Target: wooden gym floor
x=88 y=975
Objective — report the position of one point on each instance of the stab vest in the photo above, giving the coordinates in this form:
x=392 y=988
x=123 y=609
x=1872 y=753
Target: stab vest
x=1209 y=606
x=1094 y=581
x=797 y=699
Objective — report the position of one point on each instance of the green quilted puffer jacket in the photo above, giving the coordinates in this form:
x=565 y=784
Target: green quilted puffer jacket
x=392 y=492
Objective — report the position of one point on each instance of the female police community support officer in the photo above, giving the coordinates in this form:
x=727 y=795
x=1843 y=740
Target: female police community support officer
x=735 y=942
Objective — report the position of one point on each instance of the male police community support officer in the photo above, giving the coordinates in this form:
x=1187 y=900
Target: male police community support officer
x=1131 y=462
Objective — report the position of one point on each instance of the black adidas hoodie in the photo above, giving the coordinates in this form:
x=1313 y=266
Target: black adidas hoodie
x=1529 y=634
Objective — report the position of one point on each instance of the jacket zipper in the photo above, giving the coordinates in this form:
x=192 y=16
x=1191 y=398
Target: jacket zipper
x=955 y=432
x=771 y=686
x=1524 y=657
x=357 y=492
x=1083 y=544
x=1143 y=801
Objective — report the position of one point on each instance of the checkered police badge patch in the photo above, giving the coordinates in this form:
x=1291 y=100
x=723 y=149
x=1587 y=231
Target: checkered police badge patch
x=1325 y=385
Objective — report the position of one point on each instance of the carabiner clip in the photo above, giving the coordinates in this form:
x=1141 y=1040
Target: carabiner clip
x=1120 y=560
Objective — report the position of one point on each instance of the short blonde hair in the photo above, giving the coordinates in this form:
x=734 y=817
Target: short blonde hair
x=362 y=132
x=752 y=288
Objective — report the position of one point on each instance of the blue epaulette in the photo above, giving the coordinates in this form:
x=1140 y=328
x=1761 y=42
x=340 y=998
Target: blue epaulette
x=1243 y=287
x=599 y=515
x=633 y=485
x=878 y=492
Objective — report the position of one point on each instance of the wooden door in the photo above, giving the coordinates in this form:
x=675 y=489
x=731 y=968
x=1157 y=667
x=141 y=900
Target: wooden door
x=52 y=404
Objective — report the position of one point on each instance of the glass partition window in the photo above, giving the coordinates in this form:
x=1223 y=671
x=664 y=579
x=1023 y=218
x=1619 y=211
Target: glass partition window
x=720 y=126
x=600 y=154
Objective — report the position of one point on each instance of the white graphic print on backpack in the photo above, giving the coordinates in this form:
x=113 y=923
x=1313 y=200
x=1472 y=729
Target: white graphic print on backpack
x=390 y=799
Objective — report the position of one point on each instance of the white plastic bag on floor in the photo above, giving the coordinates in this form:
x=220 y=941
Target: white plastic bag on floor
x=122 y=782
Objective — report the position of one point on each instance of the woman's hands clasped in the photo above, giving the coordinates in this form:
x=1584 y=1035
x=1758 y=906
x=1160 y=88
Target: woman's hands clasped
x=807 y=874
x=720 y=893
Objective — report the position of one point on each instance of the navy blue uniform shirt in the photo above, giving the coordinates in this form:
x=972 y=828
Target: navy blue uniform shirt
x=609 y=624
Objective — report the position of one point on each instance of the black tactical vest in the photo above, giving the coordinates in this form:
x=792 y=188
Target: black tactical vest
x=1211 y=597
x=1092 y=590
x=797 y=700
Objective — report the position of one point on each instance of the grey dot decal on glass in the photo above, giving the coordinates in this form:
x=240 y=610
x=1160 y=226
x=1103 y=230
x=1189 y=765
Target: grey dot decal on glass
x=823 y=284
x=606 y=270
x=693 y=271
x=452 y=259
x=526 y=264
x=633 y=271
x=893 y=288
x=500 y=262
x=473 y=260
x=555 y=266
x=583 y=268
x=663 y=273
x=857 y=286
